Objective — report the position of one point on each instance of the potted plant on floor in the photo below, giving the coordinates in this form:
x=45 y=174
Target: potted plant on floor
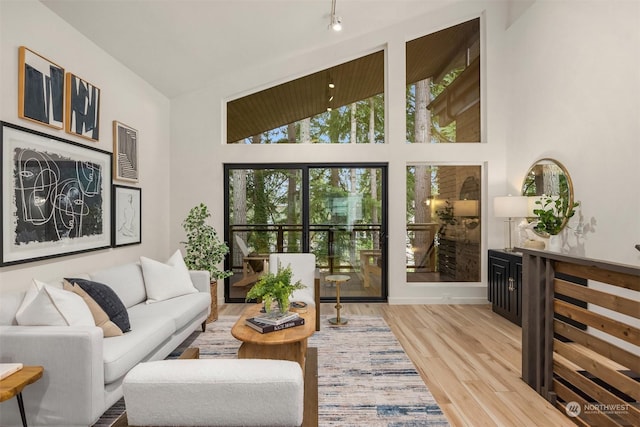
x=205 y=250
x=278 y=287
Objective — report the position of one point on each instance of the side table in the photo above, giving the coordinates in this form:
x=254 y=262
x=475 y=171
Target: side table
x=337 y=279
x=14 y=383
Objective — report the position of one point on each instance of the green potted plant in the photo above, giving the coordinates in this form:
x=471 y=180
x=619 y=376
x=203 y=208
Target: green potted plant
x=553 y=214
x=205 y=251
x=276 y=287
x=446 y=217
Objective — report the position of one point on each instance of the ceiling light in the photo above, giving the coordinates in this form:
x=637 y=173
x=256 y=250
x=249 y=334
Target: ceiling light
x=331 y=85
x=336 y=21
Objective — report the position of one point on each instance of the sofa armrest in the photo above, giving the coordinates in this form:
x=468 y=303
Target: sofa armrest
x=201 y=280
x=72 y=386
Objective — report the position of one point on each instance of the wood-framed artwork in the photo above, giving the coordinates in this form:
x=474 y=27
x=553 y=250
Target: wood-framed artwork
x=127 y=215
x=125 y=150
x=82 y=108
x=40 y=89
x=56 y=196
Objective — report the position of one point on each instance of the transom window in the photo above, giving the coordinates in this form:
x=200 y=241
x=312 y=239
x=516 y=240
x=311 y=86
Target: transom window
x=338 y=105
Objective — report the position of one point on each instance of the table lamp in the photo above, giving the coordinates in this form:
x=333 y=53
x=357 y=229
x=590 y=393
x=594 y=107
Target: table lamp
x=510 y=207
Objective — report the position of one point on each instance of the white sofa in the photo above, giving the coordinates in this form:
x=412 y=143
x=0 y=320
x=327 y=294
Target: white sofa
x=83 y=371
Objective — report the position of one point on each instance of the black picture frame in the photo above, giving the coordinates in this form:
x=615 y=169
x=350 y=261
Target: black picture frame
x=56 y=196
x=126 y=216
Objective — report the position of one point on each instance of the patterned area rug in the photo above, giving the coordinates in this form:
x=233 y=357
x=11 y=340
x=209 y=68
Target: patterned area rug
x=364 y=376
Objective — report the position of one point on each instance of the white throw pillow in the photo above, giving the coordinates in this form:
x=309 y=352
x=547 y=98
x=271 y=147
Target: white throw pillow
x=165 y=281
x=46 y=305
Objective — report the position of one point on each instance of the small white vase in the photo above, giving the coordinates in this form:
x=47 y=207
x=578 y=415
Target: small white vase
x=554 y=243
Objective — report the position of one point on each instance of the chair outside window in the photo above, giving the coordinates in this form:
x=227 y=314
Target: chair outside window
x=254 y=265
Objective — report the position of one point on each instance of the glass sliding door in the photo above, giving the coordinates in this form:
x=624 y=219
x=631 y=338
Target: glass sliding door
x=347 y=229
x=264 y=215
x=337 y=212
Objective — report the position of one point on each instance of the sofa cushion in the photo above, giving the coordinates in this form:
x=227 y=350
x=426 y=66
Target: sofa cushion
x=107 y=299
x=46 y=305
x=166 y=280
x=126 y=280
x=181 y=309
x=122 y=353
x=100 y=317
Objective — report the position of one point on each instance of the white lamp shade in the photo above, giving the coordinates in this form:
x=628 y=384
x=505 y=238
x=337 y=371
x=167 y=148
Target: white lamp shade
x=465 y=208
x=511 y=206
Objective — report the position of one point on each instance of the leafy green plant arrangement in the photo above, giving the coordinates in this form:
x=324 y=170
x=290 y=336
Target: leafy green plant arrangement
x=276 y=287
x=204 y=250
x=553 y=214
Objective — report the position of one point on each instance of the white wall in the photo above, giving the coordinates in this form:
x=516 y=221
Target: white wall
x=574 y=96
x=125 y=97
x=198 y=150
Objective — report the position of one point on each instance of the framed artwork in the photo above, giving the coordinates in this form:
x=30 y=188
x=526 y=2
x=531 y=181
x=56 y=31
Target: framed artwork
x=127 y=215
x=56 y=196
x=83 y=108
x=40 y=89
x=125 y=149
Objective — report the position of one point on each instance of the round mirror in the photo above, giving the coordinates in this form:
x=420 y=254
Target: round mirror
x=549 y=182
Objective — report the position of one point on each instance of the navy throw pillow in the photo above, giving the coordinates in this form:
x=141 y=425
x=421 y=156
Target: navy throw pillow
x=107 y=299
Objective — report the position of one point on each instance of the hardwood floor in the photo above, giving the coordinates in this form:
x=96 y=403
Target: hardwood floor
x=468 y=356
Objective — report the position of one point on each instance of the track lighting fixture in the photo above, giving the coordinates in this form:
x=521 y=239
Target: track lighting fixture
x=336 y=21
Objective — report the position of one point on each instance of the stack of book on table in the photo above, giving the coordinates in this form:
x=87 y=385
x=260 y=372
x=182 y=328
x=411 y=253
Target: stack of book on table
x=274 y=322
x=7 y=369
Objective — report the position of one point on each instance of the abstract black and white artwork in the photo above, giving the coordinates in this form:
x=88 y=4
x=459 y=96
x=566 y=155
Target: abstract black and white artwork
x=125 y=149
x=127 y=218
x=56 y=196
x=83 y=108
x=40 y=89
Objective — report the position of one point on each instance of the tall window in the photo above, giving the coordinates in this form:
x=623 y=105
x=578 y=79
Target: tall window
x=339 y=105
x=443 y=223
x=443 y=85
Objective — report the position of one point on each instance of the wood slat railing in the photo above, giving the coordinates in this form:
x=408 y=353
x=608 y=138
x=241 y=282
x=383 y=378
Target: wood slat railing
x=591 y=373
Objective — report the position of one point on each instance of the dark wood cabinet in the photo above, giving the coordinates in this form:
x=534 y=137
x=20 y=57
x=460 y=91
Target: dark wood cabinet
x=505 y=284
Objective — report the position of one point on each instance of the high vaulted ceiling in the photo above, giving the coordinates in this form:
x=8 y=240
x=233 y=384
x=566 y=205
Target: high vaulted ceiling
x=180 y=45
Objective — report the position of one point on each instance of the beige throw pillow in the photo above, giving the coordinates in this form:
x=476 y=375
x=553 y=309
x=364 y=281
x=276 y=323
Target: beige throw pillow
x=100 y=317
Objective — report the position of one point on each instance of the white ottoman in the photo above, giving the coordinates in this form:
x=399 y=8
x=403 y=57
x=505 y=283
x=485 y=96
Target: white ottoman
x=215 y=392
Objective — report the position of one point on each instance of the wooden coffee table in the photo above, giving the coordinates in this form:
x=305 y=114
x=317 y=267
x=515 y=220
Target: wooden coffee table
x=287 y=344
